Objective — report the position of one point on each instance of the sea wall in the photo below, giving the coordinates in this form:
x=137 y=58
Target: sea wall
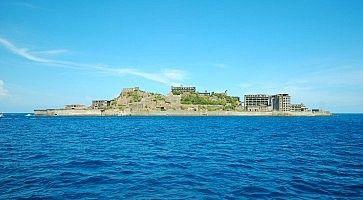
x=94 y=112
x=225 y=113
x=67 y=112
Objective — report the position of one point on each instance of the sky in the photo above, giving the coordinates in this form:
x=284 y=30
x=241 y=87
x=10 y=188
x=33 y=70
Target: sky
x=54 y=53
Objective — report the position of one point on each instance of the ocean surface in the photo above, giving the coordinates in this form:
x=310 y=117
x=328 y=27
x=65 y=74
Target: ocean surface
x=181 y=157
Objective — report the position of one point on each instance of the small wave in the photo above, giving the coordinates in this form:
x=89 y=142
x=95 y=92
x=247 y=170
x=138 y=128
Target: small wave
x=303 y=186
x=38 y=156
x=88 y=164
x=206 y=191
x=240 y=165
x=174 y=165
x=252 y=192
x=95 y=180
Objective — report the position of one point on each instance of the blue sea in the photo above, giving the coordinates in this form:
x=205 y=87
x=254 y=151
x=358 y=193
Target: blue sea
x=181 y=157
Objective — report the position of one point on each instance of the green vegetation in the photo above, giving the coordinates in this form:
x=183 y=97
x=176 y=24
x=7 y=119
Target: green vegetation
x=159 y=97
x=135 y=97
x=195 y=99
x=228 y=102
x=112 y=104
x=213 y=108
x=121 y=107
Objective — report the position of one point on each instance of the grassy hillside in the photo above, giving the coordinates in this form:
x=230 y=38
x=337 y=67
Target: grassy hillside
x=214 y=99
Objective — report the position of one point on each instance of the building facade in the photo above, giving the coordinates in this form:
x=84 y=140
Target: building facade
x=181 y=90
x=125 y=90
x=257 y=102
x=75 y=107
x=205 y=93
x=298 y=108
x=100 y=104
x=281 y=102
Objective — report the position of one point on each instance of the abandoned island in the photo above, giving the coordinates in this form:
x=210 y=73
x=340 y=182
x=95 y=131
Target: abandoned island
x=186 y=101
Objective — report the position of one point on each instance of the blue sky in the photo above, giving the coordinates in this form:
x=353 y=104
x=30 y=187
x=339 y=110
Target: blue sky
x=54 y=53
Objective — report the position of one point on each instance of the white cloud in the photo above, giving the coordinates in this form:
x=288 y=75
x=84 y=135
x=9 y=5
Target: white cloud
x=3 y=91
x=338 y=88
x=174 y=74
x=22 y=52
x=51 y=52
x=167 y=77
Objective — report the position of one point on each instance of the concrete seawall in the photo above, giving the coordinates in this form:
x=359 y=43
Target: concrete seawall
x=66 y=112
x=93 y=112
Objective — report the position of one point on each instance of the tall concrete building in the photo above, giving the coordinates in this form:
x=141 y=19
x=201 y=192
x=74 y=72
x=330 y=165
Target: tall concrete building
x=281 y=102
x=257 y=102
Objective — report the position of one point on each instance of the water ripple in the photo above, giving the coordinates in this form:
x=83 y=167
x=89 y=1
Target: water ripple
x=181 y=157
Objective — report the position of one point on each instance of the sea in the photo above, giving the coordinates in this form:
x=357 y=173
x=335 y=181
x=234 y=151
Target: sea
x=181 y=157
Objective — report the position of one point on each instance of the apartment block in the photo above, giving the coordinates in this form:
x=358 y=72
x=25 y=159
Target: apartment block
x=257 y=102
x=281 y=102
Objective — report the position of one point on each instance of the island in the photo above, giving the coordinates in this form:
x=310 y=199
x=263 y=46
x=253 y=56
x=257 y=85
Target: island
x=186 y=101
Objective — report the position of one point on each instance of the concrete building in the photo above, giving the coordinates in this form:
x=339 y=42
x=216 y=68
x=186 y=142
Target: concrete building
x=100 y=104
x=205 y=93
x=181 y=90
x=257 y=102
x=125 y=90
x=277 y=102
x=281 y=102
x=75 y=107
x=298 y=108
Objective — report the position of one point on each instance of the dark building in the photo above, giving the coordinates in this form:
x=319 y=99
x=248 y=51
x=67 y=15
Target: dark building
x=205 y=93
x=75 y=107
x=298 y=108
x=181 y=90
x=100 y=104
x=281 y=102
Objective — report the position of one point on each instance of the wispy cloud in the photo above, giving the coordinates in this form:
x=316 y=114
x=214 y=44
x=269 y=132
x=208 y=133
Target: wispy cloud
x=166 y=76
x=341 y=86
x=3 y=91
x=25 y=5
x=51 y=52
x=23 y=52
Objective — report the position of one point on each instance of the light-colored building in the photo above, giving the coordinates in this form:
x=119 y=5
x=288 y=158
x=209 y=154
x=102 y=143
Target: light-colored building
x=100 y=104
x=281 y=102
x=125 y=90
x=75 y=107
x=257 y=102
x=181 y=90
x=298 y=108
